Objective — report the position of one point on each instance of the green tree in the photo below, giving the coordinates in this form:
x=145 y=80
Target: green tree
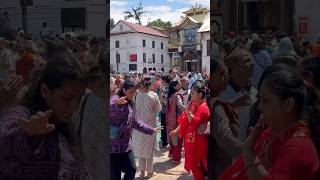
x=161 y=24
x=111 y=23
x=136 y=13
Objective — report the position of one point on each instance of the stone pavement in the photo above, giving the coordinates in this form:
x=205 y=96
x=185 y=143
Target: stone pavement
x=164 y=169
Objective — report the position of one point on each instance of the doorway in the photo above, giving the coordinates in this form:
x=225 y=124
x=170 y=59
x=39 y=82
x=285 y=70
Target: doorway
x=190 y=62
x=190 y=65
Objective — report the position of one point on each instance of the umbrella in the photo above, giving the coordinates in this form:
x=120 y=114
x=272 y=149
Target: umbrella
x=152 y=72
x=72 y=34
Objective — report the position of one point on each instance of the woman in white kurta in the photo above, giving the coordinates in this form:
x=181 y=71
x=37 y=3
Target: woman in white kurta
x=147 y=105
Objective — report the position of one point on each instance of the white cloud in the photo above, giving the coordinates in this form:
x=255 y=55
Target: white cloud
x=117 y=8
x=116 y=13
x=165 y=13
x=118 y=3
x=204 y=3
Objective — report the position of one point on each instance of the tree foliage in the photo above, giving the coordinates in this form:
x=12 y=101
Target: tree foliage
x=161 y=24
x=111 y=23
x=136 y=13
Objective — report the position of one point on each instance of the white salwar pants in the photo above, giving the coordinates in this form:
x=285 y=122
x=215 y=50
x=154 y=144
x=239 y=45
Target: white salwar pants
x=146 y=164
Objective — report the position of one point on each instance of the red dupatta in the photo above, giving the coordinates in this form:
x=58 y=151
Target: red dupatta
x=171 y=117
x=195 y=145
x=264 y=145
x=229 y=108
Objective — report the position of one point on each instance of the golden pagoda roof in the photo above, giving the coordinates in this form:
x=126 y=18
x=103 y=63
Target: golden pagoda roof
x=196 y=15
x=196 y=11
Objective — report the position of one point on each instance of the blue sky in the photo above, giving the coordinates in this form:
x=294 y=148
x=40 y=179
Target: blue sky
x=167 y=10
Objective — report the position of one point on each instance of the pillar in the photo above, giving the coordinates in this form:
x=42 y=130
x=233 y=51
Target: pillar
x=199 y=61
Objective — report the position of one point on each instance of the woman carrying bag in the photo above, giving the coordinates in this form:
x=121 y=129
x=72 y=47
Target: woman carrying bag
x=195 y=144
x=174 y=109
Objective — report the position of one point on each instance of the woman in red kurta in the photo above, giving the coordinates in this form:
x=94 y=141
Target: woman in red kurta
x=195 y=144
x=285 y=150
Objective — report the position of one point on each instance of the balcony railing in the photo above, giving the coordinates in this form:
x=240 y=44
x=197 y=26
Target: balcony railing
x=173 y=45
x=190 y=42
x=189 y=47
x=174 y=41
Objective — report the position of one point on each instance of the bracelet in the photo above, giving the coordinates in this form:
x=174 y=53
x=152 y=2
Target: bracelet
x=253 y=165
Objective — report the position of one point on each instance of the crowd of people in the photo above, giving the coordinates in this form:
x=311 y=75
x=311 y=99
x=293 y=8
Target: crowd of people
x=252 y=118
x=158 y=96
x=256 y=116
x=53 y=108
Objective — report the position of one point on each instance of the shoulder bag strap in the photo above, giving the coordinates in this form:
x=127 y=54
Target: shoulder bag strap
x=83 y=104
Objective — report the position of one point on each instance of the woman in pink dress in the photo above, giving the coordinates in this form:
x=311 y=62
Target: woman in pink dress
x=174 y=108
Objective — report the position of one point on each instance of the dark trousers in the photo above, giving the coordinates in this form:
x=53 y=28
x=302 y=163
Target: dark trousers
x=122 y=162
x=211 y=173
x=164 y=130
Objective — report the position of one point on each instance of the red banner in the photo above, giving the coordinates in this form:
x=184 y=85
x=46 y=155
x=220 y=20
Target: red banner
x=133 y=57
x=303 y=25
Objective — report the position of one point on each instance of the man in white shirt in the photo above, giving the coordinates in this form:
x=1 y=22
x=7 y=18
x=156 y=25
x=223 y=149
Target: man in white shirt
x=184 y=93
x=45 y=31
x=90 y=129
x=239 y=91
x=173 y=73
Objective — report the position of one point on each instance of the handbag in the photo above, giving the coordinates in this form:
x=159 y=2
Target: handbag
x=83 y=105
x=174 y=140
x=204 y=128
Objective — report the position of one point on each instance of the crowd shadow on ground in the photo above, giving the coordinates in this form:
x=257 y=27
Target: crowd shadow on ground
x=163 y=151
x=164 y=168
x=183 y=176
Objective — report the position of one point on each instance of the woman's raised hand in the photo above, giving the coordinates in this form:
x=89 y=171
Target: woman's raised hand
x=122 y=101
x=38 y=124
